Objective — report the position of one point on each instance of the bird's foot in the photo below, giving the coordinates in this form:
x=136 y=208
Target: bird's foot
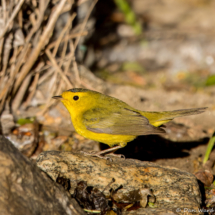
x=116 y=155
x=109 y=151
x=96 y=154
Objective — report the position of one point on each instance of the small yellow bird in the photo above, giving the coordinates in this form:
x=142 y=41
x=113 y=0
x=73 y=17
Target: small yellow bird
x=111 y=121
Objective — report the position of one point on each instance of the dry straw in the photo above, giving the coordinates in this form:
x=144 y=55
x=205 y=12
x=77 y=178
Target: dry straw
x=30 y=55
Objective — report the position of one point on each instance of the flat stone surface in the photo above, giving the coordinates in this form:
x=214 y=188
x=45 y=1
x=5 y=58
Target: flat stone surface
x=173 y=188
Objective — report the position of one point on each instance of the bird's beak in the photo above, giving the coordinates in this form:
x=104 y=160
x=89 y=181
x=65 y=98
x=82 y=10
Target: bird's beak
x=57 y=97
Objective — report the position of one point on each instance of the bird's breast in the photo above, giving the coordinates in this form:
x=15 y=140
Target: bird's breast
x=109 y=139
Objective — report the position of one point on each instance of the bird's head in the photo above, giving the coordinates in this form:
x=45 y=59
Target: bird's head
x=78 y=100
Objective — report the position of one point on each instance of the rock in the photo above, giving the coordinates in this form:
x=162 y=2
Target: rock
x=25 y=189
x=150 y=211
x=171 y=187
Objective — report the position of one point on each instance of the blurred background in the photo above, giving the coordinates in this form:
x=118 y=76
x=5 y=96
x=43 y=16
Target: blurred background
x=154 y=55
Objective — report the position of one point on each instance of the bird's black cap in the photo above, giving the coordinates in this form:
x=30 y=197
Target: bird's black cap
x=77 y=90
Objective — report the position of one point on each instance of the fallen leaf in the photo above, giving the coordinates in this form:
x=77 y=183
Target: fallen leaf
x=205 y=177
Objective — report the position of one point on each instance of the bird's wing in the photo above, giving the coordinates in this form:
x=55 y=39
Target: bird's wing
x=122 y=122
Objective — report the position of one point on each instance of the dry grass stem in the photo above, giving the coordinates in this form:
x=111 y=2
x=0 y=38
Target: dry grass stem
x=20 y=19
x=22 y=90
x=68 y=24
x=75 y=67
x=68 y=37
x=46 y=75
x=9 y=85
x=24 y=72
x=4 y=8
x=15 y=12
x=50 y=101
x=85 y=22
x=41 y=44
x=33 y=87
x=58 y=69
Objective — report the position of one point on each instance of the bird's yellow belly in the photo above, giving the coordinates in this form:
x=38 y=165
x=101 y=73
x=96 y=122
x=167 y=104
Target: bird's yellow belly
x=109 y=139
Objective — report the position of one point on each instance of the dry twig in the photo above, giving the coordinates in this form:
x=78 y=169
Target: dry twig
x=68 y=37
x=33 y=86
x=68 y=24
x=15 y=11
x=85 y=22
x=41 y=44
x=16 y=75
x=58 y=69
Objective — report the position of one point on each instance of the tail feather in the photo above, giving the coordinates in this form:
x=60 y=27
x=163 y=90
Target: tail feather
x=183 y=112
x=166 y=116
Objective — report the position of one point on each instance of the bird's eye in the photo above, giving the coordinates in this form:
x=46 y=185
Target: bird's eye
x=75 y=98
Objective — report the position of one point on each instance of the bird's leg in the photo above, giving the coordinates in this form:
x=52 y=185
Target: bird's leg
x=100 y=154
x=118 y=155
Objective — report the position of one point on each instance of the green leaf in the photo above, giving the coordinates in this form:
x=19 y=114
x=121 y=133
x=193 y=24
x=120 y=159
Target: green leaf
x=130 y=16
x=210 y=80
x=23 y=121
x=209 y=148
x=151 y=205
x=133 y=66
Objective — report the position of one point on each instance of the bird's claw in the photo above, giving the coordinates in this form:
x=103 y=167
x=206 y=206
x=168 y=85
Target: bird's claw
x=96 y=154
x=116 y=155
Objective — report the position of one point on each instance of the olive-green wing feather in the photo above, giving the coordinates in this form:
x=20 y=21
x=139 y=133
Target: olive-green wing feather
x=122 y=122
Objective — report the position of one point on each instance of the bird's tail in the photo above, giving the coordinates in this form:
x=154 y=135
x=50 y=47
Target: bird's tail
x=159 y=118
